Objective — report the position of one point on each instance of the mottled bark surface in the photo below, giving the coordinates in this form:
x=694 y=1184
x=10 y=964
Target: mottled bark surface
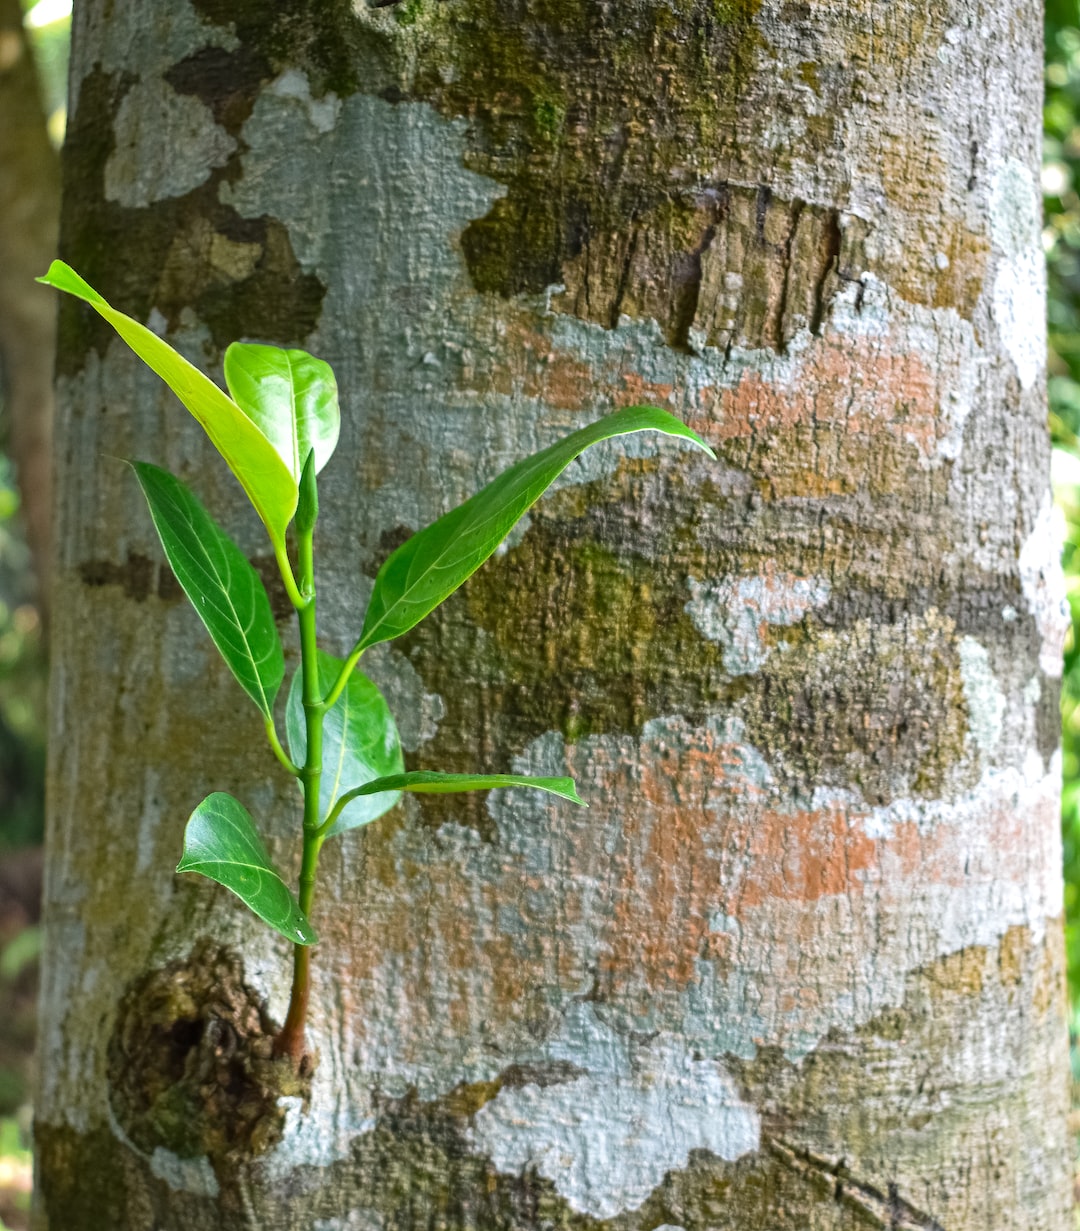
x=799 y=964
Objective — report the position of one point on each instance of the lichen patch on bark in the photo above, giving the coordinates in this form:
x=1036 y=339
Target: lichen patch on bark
x=737 y=611
x=166 y=144
x=1019 y=296
x=608 y=1137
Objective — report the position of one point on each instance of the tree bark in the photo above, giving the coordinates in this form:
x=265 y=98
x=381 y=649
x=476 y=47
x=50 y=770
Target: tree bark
x=799 y=965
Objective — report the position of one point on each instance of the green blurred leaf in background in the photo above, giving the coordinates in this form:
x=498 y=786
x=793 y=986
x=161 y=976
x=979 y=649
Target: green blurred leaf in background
x=1061 y=241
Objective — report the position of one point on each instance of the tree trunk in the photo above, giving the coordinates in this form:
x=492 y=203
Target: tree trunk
x=799 y=965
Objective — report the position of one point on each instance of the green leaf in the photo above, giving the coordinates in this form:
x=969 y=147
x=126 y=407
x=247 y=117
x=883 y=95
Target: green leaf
x=424 y=782
x=270 y=485
x=223 y=587
x=307 y=509
x=221 y=842
x=290 y=396
x=360 y=742
x=431 y=565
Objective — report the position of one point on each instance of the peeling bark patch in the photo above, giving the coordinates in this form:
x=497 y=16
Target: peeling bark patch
x=607 y=1138
x=598 y=179
x=165 y=144
x=239 y=275
x=190 y=1065
x=729 y=266
x=766 y=271
x=736 y=611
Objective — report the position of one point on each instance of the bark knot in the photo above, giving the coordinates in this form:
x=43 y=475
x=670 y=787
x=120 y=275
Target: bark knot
x=190 y=1065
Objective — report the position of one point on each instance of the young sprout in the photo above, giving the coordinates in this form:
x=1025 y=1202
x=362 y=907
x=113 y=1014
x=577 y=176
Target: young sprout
x=276 y=429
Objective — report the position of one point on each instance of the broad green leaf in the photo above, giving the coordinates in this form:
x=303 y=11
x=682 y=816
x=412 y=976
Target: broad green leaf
x=290 y=396
x=360 y=742
x=425 y=782
x=432 y=564
x=270 y=485
x=221 y=842
x=223 y=587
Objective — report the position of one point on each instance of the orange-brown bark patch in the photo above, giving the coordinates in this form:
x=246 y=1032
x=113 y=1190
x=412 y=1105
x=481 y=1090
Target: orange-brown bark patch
x=636 y=391
x=864 y=387
x=687 y=839
x=801 y=856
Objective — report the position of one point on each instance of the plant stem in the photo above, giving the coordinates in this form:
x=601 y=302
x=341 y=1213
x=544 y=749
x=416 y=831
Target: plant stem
x=343 y=677
x=285 y=569
x=291 y=1040
x=279 y=752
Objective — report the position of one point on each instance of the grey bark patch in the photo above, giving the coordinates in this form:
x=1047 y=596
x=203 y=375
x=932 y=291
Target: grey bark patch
x=190 y=1063
x=165 y=144
x=607 y=1138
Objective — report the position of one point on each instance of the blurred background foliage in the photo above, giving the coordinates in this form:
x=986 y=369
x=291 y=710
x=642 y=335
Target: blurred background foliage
x=22 y=650
x=22 y=728
x=1061 y=240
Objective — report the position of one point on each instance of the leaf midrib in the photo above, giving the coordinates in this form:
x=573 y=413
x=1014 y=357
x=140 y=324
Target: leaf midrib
x=241 y=628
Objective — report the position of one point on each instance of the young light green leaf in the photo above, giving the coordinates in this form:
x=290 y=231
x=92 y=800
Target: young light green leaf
x=223 y=587
x=432 y=564
x=360 y=742
x=221 y=842
x=269 y=483
x=426 y=782
x=290 y=396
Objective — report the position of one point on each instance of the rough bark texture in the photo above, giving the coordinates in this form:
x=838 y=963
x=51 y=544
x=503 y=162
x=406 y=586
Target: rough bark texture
x=29 y=218
x=799 y=964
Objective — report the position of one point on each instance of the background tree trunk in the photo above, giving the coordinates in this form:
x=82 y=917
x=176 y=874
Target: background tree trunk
x=799 y=965
x=30 y=212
